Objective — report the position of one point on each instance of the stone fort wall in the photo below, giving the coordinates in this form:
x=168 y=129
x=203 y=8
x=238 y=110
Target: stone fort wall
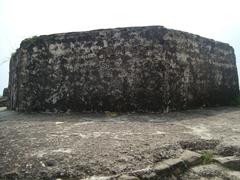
x=124 y=69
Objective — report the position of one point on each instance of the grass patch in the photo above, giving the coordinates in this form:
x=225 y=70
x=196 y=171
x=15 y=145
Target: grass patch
x=207 y=156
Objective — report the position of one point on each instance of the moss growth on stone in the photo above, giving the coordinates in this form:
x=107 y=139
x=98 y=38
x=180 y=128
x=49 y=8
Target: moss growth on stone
x=29 y=42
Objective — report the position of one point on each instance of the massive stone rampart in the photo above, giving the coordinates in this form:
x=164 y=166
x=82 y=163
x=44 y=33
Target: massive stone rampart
x=124 y=69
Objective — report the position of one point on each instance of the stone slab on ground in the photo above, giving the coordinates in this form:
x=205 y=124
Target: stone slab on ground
x=231 y=162
x=212 y=172
x=230 y=147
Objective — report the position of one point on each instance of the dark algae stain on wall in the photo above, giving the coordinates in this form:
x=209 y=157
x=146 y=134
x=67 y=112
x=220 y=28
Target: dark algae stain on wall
x=141 y=69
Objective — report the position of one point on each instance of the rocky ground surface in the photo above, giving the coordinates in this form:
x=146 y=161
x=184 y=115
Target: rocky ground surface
x=193 y=144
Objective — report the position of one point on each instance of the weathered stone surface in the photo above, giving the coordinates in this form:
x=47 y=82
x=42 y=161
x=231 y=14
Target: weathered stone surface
x=209 y=171
x=231 y=162
x=3 y=101
x=4 y=98
x=123 y=69
x=5 y=92
x=230 y=147
x=191 y=158
x=199 y=144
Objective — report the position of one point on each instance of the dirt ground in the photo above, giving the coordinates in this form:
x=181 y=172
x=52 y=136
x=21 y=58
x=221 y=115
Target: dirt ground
x=80 y=145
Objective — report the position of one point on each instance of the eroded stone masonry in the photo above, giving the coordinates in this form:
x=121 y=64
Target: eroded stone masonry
x=124 y=69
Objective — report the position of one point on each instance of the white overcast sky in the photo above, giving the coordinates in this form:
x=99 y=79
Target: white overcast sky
x=19 y=19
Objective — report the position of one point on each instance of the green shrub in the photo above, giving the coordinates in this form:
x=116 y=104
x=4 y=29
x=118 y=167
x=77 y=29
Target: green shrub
x=207 y=156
